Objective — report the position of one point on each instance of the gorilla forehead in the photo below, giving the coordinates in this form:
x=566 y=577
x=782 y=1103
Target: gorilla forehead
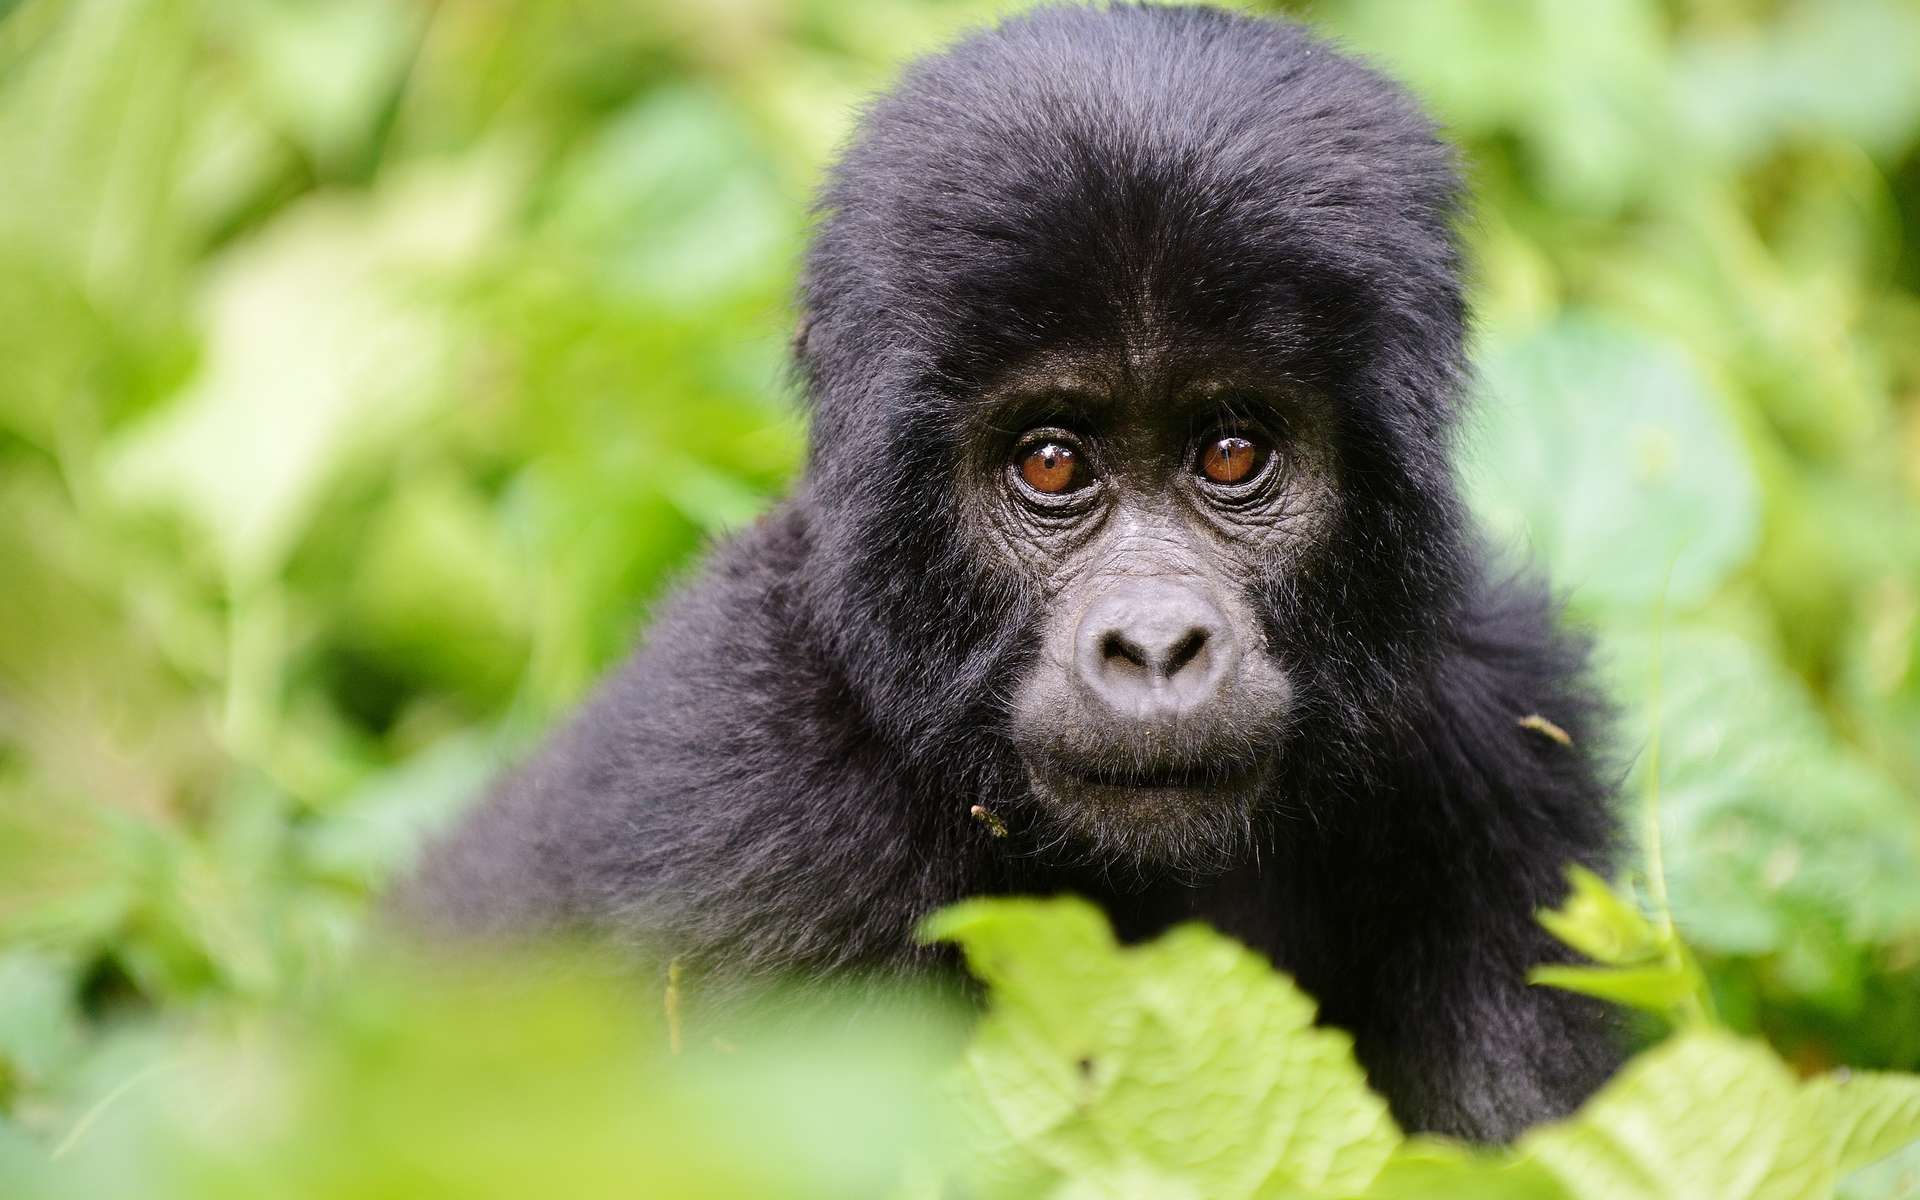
x=1131 y=174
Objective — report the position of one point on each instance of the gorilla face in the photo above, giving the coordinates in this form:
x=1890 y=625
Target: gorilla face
x=1132 y=380
x=1147 y=503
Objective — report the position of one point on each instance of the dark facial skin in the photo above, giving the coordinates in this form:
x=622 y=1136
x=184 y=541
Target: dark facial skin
x=1143 y=497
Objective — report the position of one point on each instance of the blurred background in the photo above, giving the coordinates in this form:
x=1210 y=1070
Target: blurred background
x=368 y=368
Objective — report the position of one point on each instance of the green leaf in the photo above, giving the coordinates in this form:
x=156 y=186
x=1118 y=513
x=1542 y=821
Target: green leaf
x=1777 y=839
x=1583 y=86
x=1893 y=1178
x=1710 y=1115
x=1434 y=1169
x=1873 y=1114
x=1186 y=1064
x=91 y=136
x=1703 y=1115
x=1639 y=965
x=378 y=829
x=1599 y=924
x=320 y=344
x=1609 y=454
x=1656 y=988
x=23 y=1163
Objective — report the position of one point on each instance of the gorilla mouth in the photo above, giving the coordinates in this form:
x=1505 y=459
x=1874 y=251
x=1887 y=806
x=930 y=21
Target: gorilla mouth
x=1139 y=786
x=1194 y=819
x=1231 y=778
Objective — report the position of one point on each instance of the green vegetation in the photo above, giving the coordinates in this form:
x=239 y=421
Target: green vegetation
x=1182 y=1068
x=368 y=366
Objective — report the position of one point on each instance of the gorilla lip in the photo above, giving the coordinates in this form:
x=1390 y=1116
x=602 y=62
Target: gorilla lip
x=1168 y=779
x=1063 y=780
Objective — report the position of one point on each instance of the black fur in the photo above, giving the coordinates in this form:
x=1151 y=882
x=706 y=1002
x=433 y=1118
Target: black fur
x=781 y=780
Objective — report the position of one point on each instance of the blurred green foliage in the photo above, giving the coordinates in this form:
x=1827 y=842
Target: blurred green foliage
x=1185 y=1069
x=367 y=367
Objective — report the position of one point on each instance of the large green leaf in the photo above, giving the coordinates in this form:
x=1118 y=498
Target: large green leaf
x=1872 y=1114
x=1608 y=454
x=1703 y=1117
x=1894 y=1178
x=530 y=1075
x=1183 y=1067
x=1436 y=1169
x=1777 y=839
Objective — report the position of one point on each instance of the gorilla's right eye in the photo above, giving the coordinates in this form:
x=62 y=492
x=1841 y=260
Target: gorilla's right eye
x=1052 y=468
x=1231 y=459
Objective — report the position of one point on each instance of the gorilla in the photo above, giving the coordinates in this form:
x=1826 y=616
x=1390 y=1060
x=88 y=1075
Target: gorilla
x=1128 y=560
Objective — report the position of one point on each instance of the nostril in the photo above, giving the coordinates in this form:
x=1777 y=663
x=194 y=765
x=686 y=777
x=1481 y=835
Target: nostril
x=1152 y=658
x=1115 y=645
x=1185 y=651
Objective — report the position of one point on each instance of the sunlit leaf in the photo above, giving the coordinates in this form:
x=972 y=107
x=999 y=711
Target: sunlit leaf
x=1873 y=1114
x=1185 y=1063
x=1599 y=924
x=1702 y=1115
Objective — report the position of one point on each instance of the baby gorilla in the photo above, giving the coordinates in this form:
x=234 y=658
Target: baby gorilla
x=1129 y=561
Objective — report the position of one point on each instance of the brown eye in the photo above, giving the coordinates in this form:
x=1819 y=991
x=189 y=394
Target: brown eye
x=1051 y=468
x=1231 y=459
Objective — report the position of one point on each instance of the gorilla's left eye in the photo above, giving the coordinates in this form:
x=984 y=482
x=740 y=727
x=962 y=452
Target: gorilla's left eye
x=1232 y=458
x=1052 y=468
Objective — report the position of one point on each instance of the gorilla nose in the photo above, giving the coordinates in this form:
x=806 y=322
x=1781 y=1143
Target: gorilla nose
x=1153 y=649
